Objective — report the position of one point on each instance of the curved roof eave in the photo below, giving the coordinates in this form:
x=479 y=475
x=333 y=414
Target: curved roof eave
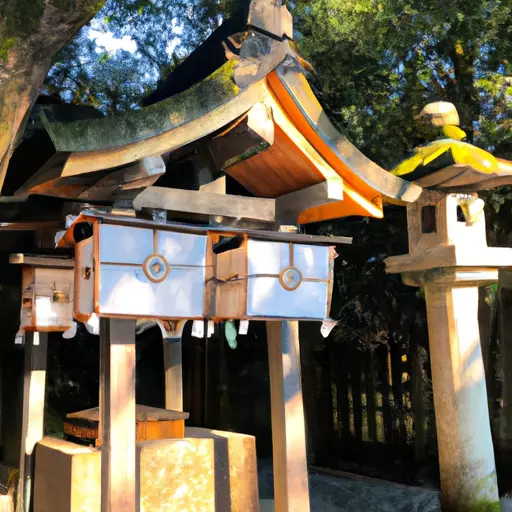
x=359 y=169
x=139 y=125
x=216 y=111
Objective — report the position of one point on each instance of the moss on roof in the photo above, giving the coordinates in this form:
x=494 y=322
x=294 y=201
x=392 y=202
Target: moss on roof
x=138 y=125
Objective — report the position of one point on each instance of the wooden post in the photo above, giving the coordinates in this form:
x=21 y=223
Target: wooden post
x=6 y=503
x=291 y=491
x=36 y=344
x=173 y=374
x=117 y=415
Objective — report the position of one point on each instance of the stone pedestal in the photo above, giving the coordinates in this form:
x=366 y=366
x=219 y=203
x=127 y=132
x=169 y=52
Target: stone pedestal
x=466 y=456
x=208 y=471
x=449 y=258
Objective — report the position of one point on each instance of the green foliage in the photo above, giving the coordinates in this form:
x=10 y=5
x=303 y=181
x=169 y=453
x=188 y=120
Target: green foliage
x=380 y=62
x=5 y=45
x=373 y=307
x=156 y=35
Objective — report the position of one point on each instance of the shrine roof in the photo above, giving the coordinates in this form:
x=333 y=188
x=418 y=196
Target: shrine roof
x=242 y=96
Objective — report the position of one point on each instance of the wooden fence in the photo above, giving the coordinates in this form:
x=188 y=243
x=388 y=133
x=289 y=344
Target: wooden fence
x=368 y=409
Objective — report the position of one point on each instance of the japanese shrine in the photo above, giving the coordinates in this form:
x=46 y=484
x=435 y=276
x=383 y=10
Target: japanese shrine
x=191 y=209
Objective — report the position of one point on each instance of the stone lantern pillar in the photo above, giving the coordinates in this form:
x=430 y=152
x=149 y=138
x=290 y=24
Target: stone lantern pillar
x=449 y=258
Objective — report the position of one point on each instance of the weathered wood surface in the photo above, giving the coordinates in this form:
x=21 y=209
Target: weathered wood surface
x=291 y=491
x=41 y=261
x=267 y=17
x=301 y=106
x=32 y=430
x=142 y=413
x=151 y=424
x=206 y=203
x=246 y=137
x=6 y=503
x=288 y=165
x=117 y=413
x=173 y=375
x=30 y=226
x=216 y=118
x=256 y=234
x=217 y=186
x=289 y=206
x=98 y=186
x=47 y=299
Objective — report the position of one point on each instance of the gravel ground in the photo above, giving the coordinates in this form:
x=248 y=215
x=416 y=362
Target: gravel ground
x=333 y=494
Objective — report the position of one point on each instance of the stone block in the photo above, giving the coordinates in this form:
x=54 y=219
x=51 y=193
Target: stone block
x=207 y=471
x=176 y=475
x=236 y=472
x=67 y=477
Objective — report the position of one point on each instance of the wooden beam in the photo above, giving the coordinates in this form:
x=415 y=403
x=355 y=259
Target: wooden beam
x=117 y=413
x=250 y=135
x=41 y=261
x=289 y=206
x=257 y=234
x=32 y=429
x=104 y=185
x=30 y=226
x=291 y=491
x=206 y=203
x=289 y=164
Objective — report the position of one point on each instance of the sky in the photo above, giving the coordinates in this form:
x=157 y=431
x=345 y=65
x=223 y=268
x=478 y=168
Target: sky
x=105 y=40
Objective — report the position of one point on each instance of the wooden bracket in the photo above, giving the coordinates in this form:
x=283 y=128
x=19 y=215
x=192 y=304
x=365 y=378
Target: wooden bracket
x=290 y=206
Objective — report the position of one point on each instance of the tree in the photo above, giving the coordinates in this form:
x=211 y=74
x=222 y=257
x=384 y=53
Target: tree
x=156 y=35
x=381 y=61
x=31 y=33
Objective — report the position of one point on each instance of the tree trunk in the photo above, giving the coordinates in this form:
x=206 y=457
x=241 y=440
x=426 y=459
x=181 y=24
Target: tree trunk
x=31 y=33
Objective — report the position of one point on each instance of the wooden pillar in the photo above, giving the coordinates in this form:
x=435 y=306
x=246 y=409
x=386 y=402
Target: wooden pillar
x=173 y=374
x=291 y=491
x=6 y=503
x=36 y=344
x=117 y=415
